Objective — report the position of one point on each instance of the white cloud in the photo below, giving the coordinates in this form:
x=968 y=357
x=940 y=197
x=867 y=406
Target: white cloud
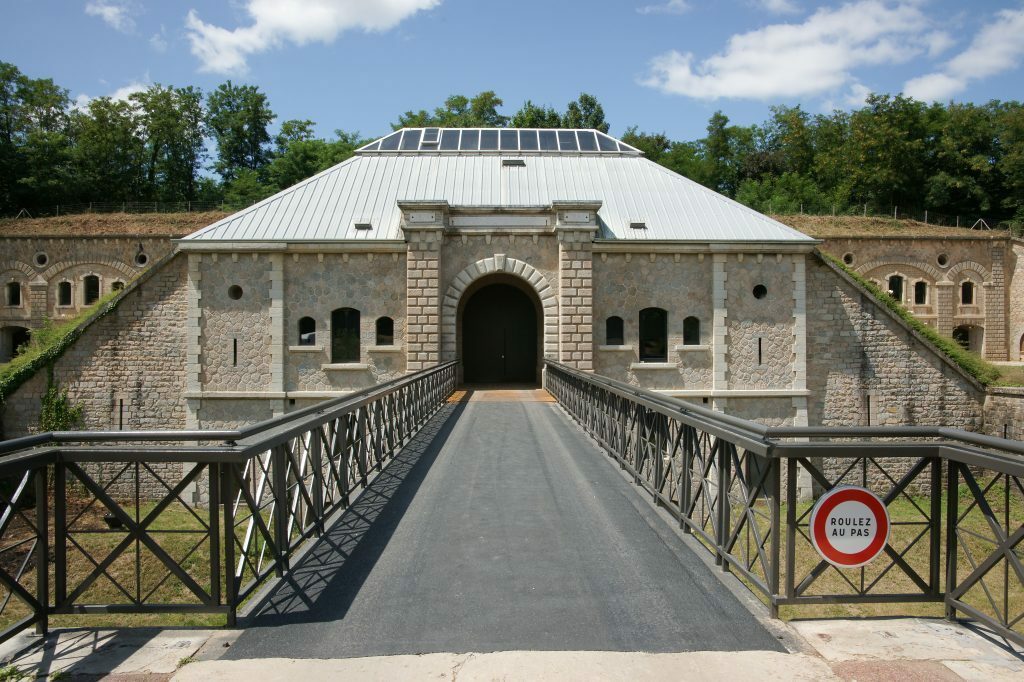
x=158 y=41
x=120 y=95
x=116 y=13
x=811 y=58
x=223 y=50
x=996 y=48
x=670 y=7
x=778 y=6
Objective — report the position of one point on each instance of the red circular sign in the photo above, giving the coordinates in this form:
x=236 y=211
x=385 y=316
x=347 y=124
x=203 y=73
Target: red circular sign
x=849 y=526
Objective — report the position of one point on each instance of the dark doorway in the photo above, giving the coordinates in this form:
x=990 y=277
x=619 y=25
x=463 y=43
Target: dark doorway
x=499 y=336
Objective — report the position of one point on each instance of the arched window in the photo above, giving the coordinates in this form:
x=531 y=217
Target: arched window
x=691 y=331
x=967 y=293
x=117 y=286
x=896 y=287
x=653 y=335
x=64 y=293
x=920 y=293
x=345 y=335
x=13 y=293
x=613 y=334
x=91 y=289
x=307 y=331
x=385 y=331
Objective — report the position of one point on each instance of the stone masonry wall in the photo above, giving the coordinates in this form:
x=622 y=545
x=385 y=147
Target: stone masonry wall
x=575 y=293
x=1004 y=413
x=1015 y=267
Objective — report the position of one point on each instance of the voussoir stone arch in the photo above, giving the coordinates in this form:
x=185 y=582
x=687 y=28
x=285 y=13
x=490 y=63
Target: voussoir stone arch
x=12 y=265
x=932 y=272
x=969 y=266
x=57 y=268
x=497 y=264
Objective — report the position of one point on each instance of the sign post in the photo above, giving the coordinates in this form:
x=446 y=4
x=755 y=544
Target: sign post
x=849 y=526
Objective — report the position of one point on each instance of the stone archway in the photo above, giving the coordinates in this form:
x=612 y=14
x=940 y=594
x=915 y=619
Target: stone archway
x=497 y=264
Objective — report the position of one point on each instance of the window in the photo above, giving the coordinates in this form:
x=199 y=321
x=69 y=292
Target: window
x=64 y=293
x=14 y=293
x=307 y=331
x=385 y=331
x=691 y=331
x=760 y=291
x=896 y=287
x=920 y=293
x=613 y=335
x=345 y=335
x=92 y=289
x=967 y=293
x=117 y=286
x=653 y=335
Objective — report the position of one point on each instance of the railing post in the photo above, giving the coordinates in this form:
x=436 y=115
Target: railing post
x=42 y=551
x=724 y=514
x=60 y=535
x=935 y=539
x=279 y=483
x=231 y=480
x=685 y=480
x=214 y=483
x=791 y=476
x=316 y=462
x=775 y=483
x=952 y=513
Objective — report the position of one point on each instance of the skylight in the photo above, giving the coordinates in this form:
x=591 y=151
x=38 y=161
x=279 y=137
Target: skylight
x=497 y=140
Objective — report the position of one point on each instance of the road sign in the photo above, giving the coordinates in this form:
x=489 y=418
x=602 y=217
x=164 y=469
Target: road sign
x=849 y=526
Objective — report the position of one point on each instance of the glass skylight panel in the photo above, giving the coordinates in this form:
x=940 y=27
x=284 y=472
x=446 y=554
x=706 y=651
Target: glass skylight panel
x=411 y=140
x=587 y=141
x=624 y=147
x=488 y=139
x=605 y=143
x=470 y=140
x=450 y=139
x=510 y=140
x=390 y=143
x=372 y=147
x=548 y=140
x=430 y=135
x=567 y=140
x=528 y=140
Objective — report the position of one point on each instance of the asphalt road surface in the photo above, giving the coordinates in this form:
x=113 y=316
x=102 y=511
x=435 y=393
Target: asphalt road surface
x=502 y=527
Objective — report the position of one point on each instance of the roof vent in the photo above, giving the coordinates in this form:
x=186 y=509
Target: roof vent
x=363 y=226
x=431 y=135
x=513 y=162
x=638 y=226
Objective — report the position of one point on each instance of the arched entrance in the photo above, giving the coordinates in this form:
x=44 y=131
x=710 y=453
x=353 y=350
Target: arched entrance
x=11 y=338
x=498 y=332
x=970 y=337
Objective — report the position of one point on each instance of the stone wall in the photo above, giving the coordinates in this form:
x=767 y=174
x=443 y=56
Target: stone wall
x=1004 y=413
x=866 y=367
x=759 y=351
x=127 y=370
x=1015 y=265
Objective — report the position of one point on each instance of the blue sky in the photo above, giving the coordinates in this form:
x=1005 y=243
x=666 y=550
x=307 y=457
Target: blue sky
x=664 y=65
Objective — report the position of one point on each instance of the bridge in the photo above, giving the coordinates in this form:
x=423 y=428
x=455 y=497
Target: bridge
x=419 y=517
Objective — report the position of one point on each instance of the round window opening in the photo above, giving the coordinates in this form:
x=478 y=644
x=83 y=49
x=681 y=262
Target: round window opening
x=42 y=259
x=235 y=292
x=942 y=260
x=760 y=291
x=141 y=259
x=848 y=258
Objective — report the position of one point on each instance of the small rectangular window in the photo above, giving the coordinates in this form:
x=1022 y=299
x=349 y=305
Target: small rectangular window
x=14 y=294
x=920 y=293
x=234 y=352
x=91 y=289
x=513 y=162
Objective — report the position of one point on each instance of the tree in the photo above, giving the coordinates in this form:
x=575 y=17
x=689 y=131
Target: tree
x=532 y=116
x=585 y=112
x=458 y=112
x=653 y=145
x=292 y=130
x=238 y=116
x=109 y=151
x=175 y=130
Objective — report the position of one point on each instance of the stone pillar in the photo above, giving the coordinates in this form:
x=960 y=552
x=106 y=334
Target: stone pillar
x=945 y=307
x=278 y=336
x=804 y=483
x=996 y=311
x=576 y=296
x=37 y=304
x=193 y=344
x=719 y=335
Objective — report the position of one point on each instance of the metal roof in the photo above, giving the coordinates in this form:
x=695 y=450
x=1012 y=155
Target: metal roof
x=366 y=189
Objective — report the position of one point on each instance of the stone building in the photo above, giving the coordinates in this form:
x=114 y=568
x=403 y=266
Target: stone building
x=501 y=248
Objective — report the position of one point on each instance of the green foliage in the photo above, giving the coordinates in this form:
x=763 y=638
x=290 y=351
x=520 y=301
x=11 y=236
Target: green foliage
x=47 y=344
x=458 y=111
x=58 y=413
x=533 y=116
x=976 y=367
x=238 y=117
x=10 y=673
x=585 y=112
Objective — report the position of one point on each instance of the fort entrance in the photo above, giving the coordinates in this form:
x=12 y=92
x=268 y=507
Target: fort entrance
x=498 y=332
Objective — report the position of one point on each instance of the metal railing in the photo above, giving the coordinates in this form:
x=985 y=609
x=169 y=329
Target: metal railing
x=194 y=525
x=742 y=490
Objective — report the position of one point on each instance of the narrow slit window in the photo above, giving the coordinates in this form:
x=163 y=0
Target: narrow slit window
x=613 y=331
x=920 y=293
x=653 y=335
x=345 y=335
x=760 y=345
x=13 y=293
x=234 y=352
x=691 y=331
x=967 y=293
x=307 y=331
x=385 y=331
x=896 y=287
x=64 y=293
x=91 y=289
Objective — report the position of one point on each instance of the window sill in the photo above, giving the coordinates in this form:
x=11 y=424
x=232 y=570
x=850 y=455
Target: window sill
x=344 y=366
x=653 y=365
x=627 y=346
x=691 y=346
x=318 y=348
x=385 y=349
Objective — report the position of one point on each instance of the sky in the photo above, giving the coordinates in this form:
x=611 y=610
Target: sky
x=661 y=65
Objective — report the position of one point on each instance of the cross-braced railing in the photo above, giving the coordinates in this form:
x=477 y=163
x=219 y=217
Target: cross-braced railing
x=113 y=522
x=746 y=492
